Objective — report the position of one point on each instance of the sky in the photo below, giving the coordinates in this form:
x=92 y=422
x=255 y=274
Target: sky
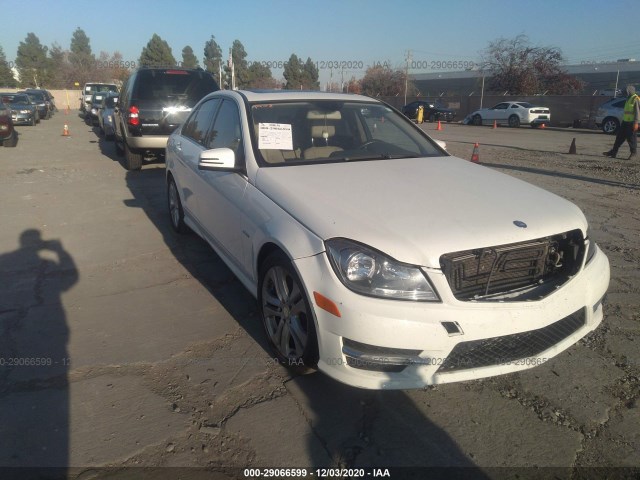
x=348 y=35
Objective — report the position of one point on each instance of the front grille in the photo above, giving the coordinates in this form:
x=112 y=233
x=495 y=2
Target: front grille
x=508 y=348
x=534 y=268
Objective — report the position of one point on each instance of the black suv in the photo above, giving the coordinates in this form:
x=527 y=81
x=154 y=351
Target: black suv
x=152 y=103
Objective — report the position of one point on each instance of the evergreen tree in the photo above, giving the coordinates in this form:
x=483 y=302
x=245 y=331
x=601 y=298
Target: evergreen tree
x=310 y=75
x=293 y=73
x=189 y=60
x=157 y=53
x=6 y=75
x=260 y=76
x=213 y=59
x=301 y=76
x=81 y=57
x=240 y=65
x=32 y=63
x=61 y=75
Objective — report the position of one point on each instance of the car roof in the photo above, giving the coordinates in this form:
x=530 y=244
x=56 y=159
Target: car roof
x=284 y=95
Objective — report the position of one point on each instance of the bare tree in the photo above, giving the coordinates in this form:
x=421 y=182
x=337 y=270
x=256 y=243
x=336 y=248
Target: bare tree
x=517 y=67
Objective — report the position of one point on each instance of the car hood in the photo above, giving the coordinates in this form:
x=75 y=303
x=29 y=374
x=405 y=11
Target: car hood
x=417 y=209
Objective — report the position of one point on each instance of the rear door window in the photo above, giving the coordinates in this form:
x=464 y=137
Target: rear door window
x=199 y=122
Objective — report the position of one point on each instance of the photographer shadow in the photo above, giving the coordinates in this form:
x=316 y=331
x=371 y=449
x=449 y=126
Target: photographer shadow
x=34 y=386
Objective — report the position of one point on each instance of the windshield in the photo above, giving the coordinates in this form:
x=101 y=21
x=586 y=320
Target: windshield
x=38 y=98
x=173 y=86
x=334 y=131
x=16 y=99
x=92 y=88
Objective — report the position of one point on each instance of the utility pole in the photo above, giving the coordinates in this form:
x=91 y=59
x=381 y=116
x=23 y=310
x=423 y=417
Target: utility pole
x=233 y=71
x=406 y=76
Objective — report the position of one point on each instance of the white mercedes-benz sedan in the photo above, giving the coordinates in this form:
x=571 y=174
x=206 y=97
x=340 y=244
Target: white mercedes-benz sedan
x=374 y=255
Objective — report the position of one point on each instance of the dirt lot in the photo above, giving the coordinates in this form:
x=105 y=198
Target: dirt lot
x=124 y=345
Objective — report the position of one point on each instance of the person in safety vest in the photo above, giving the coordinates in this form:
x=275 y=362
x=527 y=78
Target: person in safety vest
x=629 y=127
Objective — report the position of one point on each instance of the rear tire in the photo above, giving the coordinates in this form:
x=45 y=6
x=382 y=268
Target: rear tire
x=119 y=150
x=514 y=121
x=176 y=213
x=132 y=160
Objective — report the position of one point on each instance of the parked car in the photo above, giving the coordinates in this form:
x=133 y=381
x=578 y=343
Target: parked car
x=8 y=135
x=432 y=112
x=373 y=254
x=48 y=97
x=513 y=114
x=52 y=101
x=105 y=114
x=153 y=102
x=93 y=107
x=23 y=110
x=41 y=102
x=609 y=115
x=91 y=88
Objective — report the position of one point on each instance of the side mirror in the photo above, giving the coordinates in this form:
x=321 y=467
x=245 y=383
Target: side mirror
x=442 y=144
x=218 y=159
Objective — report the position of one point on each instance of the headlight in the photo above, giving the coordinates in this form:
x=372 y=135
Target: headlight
x=369 y=272
x=109 y=119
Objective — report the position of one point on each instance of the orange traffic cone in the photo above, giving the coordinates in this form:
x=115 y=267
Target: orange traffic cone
x=495 y=124
x=439 y=126
x=65 y=131
x=572 y=148
x=475 y=156
x=542 y=125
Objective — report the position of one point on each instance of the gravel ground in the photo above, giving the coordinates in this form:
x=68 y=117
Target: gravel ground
x=159 y=359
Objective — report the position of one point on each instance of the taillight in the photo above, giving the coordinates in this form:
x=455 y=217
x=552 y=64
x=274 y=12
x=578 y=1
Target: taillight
x=133 y=116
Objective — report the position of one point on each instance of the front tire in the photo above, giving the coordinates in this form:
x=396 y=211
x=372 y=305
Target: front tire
x=477 y=120
x=610 y=125
x=11 y=142
x=286 y=314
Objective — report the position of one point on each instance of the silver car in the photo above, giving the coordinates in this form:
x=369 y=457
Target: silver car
x=105 y=114
x=609 y=115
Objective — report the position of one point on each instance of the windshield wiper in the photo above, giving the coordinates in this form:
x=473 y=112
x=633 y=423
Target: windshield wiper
x=380 y=156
